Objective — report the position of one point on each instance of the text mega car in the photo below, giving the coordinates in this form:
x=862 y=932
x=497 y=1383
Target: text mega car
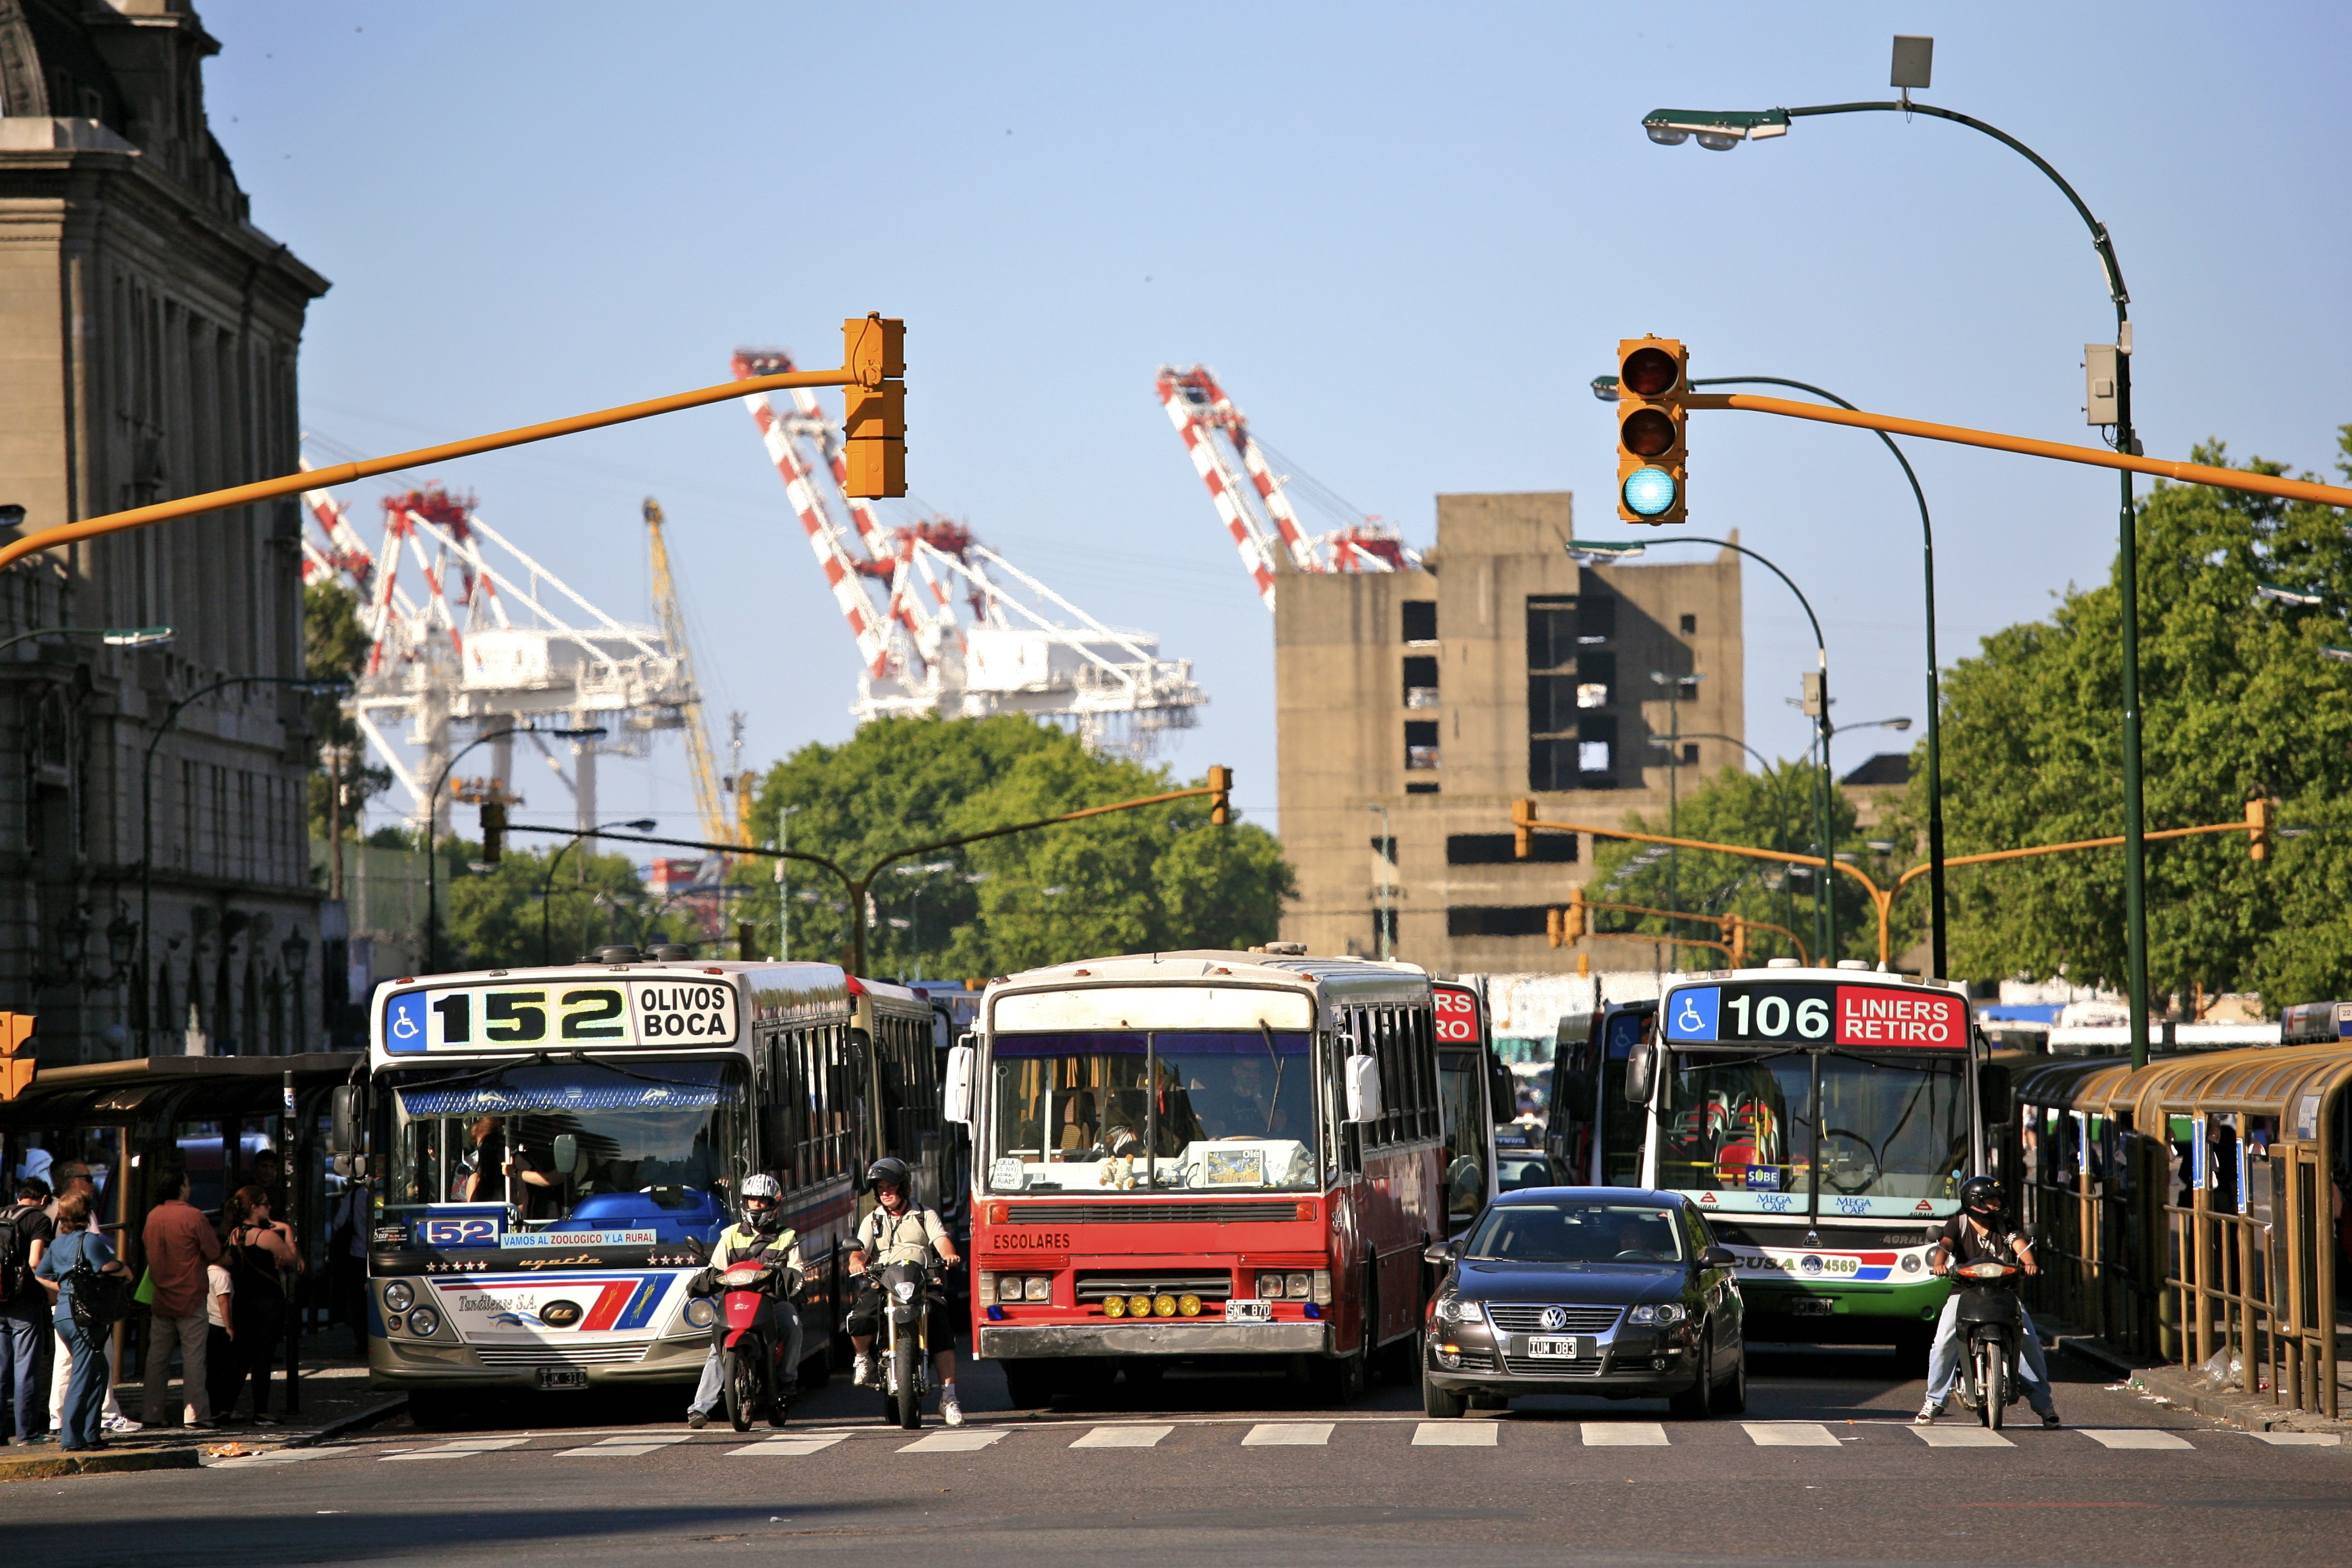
x=1220 y=1155
x=1822 y=1119
x=633 y=1096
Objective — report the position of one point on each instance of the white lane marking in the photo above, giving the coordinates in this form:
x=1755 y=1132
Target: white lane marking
x=1625 y=1435
x=1962 y=1438
x=786 y=1448
x=621 y=1447
x=1789 y=1435
x=951 y=1443
x=1287 y=1435
x=2133 y=1437
x=1456 y=1435
x=460 y=1449
x=2298 y=1439
x=1123 y=1437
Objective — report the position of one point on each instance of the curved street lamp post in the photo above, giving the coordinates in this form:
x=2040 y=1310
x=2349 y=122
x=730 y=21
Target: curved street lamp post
x=547 y=884
x=432 y=813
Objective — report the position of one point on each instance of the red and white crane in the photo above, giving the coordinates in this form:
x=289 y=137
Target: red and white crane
x=1250 y=497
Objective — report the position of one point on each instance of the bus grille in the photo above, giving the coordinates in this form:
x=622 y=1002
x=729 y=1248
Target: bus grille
x=1148 y=1213
x=553 y=1355
x=1528 y=1319
x=1094 y=1287
x=1528 y=1367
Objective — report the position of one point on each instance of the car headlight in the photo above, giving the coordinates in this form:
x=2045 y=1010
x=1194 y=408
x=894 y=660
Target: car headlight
x=904 y=1290
x=700 y=1314
x=1662 y=1312
x=1454 y=1309
x=425 y=1322
x=398 y=1297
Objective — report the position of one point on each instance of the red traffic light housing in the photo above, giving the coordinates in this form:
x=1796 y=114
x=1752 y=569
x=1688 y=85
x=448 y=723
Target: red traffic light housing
x=1652 y=377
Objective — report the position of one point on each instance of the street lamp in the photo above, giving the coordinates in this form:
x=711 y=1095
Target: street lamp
x=113 y=636
x=1912 y=56
x=915 y=905
x=433 y=812
x=547 y=884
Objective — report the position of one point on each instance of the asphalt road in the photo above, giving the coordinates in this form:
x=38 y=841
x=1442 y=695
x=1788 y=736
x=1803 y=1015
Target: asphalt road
x=1825 y=1467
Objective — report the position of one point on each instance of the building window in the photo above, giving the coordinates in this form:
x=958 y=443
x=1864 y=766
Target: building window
x=1385 y=848
x=1420 y=620
x=1566 y=762
x=1690 y=626
x=1596 y=619
x=1498 y=848
x=1690 y=753
x=1478 y=920
x=1430 y=788
x=1596 y=677
x=1686 y=688
x=1551 y=704
x=1596 y=751
x=1420 y=745
x=1551 y=630
x=1384 y=930
x=1421 y=681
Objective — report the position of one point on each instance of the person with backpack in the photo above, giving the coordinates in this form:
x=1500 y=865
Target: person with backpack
x=25 y=1235
x=179 y=1243
x=92 y=1289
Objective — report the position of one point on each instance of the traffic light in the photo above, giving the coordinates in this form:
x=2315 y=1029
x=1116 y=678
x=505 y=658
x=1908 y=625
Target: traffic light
x=1652 y=375
x=874 y=413
x=1221 y=806
x=1572 y=922
x=494 y=831
x=1523 y=837
x=2258 y=829
x=1734 y=937
x=16 y=1065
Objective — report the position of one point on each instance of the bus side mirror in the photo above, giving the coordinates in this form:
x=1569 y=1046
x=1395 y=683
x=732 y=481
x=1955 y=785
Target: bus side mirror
x=1641 y=1069
x=1502 y=1091
x=1363 y=1089
x=343 y=1123
x=956 y=1098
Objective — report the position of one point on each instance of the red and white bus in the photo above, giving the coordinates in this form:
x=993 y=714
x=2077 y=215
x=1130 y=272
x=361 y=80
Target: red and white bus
x=1222 y=1156
x=1470 y=1101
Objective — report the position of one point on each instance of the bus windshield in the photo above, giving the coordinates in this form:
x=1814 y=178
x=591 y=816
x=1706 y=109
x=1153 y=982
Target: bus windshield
x=1157 y=1110
x=580 y=1147
x=1815 y=1132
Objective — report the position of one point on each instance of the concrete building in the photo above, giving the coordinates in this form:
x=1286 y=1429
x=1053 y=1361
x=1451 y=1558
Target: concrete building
x=1414 y=707
x=148 y=335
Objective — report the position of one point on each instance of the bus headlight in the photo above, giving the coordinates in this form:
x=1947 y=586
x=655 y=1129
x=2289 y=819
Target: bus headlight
x=700 y=1314
x=1301 y=1285
x=1037 y=1288
x=398 y=1297
x=1114 y=1306
x=1163 y=1306
x=1187 y=1306
x=1269 y=1286
x=1138 y=1306
x=425 y=1322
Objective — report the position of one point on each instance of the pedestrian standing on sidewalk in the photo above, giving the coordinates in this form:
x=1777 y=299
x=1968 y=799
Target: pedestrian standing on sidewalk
x=261 y=1252
x=24 y=1315
x=74 y=1177
x=79 y=1242
x=223 y=1369
x=180 y=1242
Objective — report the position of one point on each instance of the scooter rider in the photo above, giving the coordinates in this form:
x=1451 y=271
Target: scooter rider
x=1980 y=1233
x=895 y=1231
x=759 y=1235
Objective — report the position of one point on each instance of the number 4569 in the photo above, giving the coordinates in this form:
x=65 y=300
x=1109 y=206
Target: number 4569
x=1768 y=1018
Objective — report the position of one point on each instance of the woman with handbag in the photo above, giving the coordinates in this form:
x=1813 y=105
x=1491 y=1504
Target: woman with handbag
x=260 y=1252
x=70 y=1270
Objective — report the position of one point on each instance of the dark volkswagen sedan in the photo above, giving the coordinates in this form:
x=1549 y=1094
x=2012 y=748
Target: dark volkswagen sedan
x=1600 y=1290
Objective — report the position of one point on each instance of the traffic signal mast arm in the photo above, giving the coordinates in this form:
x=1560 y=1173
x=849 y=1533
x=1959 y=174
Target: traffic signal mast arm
x=1717 y=920
x=2096 y=457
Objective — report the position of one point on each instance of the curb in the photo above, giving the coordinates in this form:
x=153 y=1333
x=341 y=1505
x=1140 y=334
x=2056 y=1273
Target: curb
x=2252 y=1414
x=53 y=1465
x=356 y=1420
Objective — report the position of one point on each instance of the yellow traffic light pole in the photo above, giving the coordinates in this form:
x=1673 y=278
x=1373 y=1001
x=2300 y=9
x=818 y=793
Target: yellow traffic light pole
x=1565 y=933
x=873 y=357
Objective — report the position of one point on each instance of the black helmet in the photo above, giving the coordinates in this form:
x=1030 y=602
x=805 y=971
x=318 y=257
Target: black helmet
x=1982 y=1196
x=893 y=1169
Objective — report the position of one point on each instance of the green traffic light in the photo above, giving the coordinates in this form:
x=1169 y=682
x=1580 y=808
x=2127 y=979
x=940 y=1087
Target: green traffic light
x=1649 y=492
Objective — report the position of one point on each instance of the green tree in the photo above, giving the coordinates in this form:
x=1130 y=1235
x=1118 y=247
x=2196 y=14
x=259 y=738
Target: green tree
x=1160 y=878
x=491 y=915
x=2238 y=700
x=334 y=644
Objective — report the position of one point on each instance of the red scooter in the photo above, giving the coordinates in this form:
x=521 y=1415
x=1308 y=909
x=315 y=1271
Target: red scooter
x=752 y=1365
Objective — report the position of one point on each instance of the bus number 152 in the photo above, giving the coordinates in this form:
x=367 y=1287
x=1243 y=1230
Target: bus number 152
x=1768 y=1018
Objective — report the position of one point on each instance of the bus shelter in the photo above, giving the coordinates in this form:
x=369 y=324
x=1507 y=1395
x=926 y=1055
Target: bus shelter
x=126 y=1120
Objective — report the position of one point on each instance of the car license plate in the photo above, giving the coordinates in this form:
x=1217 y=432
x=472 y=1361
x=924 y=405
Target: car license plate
x=1249 y=1312
x=1556 y=1347
x=562 y=1378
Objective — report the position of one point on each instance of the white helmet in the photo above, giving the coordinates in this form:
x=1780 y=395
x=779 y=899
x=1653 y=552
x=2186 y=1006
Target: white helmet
x=762 y=1185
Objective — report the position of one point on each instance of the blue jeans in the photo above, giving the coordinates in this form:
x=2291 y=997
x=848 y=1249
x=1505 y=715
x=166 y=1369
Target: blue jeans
x=78 y=1422
x=1944 y=1360
x=25 y=1368
x=707 y=1393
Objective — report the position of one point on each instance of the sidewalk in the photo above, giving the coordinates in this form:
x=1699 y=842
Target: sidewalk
x=334 y=1395
x=2172 y=1385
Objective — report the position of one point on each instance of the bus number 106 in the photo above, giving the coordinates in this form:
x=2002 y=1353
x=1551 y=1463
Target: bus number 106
x=1768 y=1018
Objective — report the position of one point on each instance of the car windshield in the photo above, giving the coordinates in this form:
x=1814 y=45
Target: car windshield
x=1153 y=1109
x=1577 y=1233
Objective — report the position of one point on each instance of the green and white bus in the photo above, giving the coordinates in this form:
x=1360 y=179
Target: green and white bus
x=1821 y=1119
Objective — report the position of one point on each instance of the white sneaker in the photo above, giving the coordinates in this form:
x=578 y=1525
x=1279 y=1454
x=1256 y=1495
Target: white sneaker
x=950 y=1407
x=1927 y=1413
x=123 y=1424
x=862 y=1372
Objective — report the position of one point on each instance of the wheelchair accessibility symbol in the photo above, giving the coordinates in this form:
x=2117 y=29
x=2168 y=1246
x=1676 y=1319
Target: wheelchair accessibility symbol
x=1693 y=1013
x=404 y=1022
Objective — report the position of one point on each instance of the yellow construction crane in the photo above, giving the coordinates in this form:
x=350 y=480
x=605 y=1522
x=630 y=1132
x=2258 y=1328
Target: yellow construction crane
x=718 y=826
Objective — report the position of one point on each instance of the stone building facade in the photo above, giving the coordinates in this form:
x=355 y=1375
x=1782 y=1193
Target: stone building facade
x=148 y=337
x=1414 y=708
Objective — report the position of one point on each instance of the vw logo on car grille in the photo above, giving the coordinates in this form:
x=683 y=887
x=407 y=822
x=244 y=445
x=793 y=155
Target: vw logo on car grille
x=1554 y=1318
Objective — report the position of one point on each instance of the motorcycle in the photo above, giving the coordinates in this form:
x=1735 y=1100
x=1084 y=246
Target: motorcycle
x=902 y=1343
x=1993 y=1333
x=751 y=1369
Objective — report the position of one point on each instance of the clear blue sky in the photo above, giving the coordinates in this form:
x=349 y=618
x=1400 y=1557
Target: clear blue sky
x=1405 y=237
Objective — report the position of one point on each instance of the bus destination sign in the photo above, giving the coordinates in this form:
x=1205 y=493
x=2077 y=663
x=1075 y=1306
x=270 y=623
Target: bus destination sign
x=566 y=1015
x=1764 y=1013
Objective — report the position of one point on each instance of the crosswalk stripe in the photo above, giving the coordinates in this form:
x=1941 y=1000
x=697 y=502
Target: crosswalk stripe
x=1789 y=1435
x=1123 y=1437
x=1288 y=1435
x=2299 y=1439
x=1456 y=1435
x=951 y=1443
x=1961 y=1437
x=2133 y=1437
x=1625 y=1435
x=622 y=1448
x=786 y=1448
x=461 y=1448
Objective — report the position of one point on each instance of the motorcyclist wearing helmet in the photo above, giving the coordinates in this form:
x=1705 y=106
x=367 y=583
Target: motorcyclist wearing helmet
x=1980 y=1232
x=895 y=1231
x=760 y=1234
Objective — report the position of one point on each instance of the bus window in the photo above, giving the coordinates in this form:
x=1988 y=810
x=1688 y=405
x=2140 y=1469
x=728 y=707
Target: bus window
x=1461 y=1080
x=1624 y=1127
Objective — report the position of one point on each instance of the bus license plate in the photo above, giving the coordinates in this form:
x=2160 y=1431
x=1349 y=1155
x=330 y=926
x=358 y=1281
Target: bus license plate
x=1249 y=1312
x=562 y=1378
x=1555 y=1347
x=1811 y=1307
